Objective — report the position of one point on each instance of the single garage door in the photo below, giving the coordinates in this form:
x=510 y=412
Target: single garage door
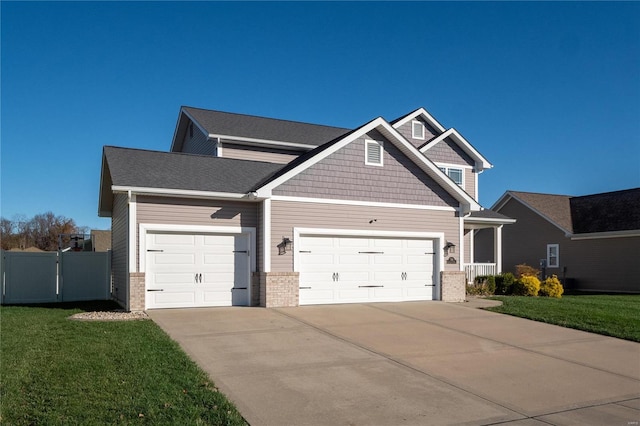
x=196 y=270
x=338 y=269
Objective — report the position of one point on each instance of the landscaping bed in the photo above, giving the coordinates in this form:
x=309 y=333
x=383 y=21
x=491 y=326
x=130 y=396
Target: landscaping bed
x=58 y=371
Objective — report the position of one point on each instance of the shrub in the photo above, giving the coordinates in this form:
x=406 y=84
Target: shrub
x=551 y=287
x=483 y=285
x=524 y=269
x=504 y=283
x=527 y=285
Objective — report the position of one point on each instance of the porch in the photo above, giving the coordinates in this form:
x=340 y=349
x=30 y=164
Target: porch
x=473 y=270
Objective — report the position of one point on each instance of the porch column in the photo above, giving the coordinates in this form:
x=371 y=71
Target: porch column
x=497 y=248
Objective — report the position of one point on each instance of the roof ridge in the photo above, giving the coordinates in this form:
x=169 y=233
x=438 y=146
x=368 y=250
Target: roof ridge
x=266 y=118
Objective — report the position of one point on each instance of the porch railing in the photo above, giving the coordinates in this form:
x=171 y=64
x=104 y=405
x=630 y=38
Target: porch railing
x=472 y=270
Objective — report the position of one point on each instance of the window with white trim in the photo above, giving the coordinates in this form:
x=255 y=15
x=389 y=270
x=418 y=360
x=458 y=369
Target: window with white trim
x=374 y=151
x=456 y=174
x=417 y=129
x=553 y=255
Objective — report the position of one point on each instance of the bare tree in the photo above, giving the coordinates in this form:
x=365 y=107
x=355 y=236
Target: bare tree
x=41 y=231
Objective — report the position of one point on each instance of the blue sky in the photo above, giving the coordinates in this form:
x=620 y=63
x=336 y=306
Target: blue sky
x=548 y=92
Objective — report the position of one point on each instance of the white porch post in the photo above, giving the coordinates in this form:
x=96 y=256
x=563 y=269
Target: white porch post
x=497 y=248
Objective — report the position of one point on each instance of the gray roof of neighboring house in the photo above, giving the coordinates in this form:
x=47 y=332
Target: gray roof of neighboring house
x=250 y=126
x=610 y=211
x=606 y=212
x=171 y=170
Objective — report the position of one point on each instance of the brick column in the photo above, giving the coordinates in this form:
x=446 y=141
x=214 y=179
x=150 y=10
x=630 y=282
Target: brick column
x=453 y=286
x=136 y=291
x=279 y=289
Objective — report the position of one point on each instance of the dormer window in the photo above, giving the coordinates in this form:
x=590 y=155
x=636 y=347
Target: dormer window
x=373 y=153
x=417 y=129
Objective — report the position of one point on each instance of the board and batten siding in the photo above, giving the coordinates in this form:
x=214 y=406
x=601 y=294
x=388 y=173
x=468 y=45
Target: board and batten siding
x=406 y=130
x=253 y=153
x=343 y=175
x=198 y=144
x=120 y=248
x=178 y=211
x=287 y=215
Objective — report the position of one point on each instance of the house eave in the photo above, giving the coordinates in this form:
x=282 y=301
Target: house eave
x=261 y=142
x=604 y=235
x=183 y=193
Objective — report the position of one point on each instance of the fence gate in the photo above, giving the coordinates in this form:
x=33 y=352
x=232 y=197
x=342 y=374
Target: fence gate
x=55 y=277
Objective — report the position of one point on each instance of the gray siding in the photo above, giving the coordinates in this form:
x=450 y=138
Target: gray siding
x=343 y=175
x=286 y=215
x=406 y=131
x=270 y=155
x=447 y=151
x=600 y=265
x=120 y=249
x=470 y=183
x=195 y=212
x=198 y=144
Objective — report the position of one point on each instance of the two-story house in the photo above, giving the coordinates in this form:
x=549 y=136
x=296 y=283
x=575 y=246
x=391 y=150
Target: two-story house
x=248 y=210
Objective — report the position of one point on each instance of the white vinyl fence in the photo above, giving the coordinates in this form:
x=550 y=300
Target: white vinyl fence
x=55 y=277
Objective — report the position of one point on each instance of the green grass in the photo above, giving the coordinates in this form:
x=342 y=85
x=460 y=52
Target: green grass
x=58 y=371
x=611 y=315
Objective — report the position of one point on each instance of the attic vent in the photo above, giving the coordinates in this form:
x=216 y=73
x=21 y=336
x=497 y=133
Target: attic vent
x=417 y=129
x=373 y=154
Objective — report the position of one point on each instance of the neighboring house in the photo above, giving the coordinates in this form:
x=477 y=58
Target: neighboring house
x=100 y=240
x=590 y=242
x=249 y=210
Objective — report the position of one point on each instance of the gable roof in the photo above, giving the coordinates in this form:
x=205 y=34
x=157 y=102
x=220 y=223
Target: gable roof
x=481 y=162
x=598 y=213
x=251 y=128
x=422 y=113
x=316 y=155
x=170 y=172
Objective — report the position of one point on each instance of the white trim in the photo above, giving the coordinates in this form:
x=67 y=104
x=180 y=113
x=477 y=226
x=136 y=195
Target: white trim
x=437 y=236
x=452 y=165
x=197 y=229
x=413 y=132
x=472 y=236
x=360 y=203
x=380 y=144
x=602 y=235
x=218 y=147
x=133 y=218
x=266 y=235
x=497 y=248
x=481 y=162
x=392 y=135
x=267 y=142
x=420 y=112
x=177 y=192
x=557 y=247
x=477 y=194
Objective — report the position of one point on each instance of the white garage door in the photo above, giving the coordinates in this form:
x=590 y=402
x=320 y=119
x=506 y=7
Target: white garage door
x=337 y=269
x=196 y=270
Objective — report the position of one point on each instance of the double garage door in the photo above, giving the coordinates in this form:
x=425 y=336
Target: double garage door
x=196 y=270
x=340 y=269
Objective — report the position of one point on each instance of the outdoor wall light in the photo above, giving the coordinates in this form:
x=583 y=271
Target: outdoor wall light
x=449 y=247
x=284 y=246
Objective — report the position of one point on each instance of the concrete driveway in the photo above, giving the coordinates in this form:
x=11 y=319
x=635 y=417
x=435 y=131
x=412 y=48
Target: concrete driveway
x=415 y=363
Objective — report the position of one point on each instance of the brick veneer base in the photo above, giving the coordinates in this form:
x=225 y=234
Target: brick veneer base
x=453 y=286
x=136 y=291
x=279 y=289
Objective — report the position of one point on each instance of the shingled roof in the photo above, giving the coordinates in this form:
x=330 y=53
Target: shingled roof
x=254 y=127
x=611 y=211
x=606 y=212
x=170 y=170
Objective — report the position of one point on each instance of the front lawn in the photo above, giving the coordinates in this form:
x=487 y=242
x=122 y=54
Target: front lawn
x=59 y=371
x=611 y=315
